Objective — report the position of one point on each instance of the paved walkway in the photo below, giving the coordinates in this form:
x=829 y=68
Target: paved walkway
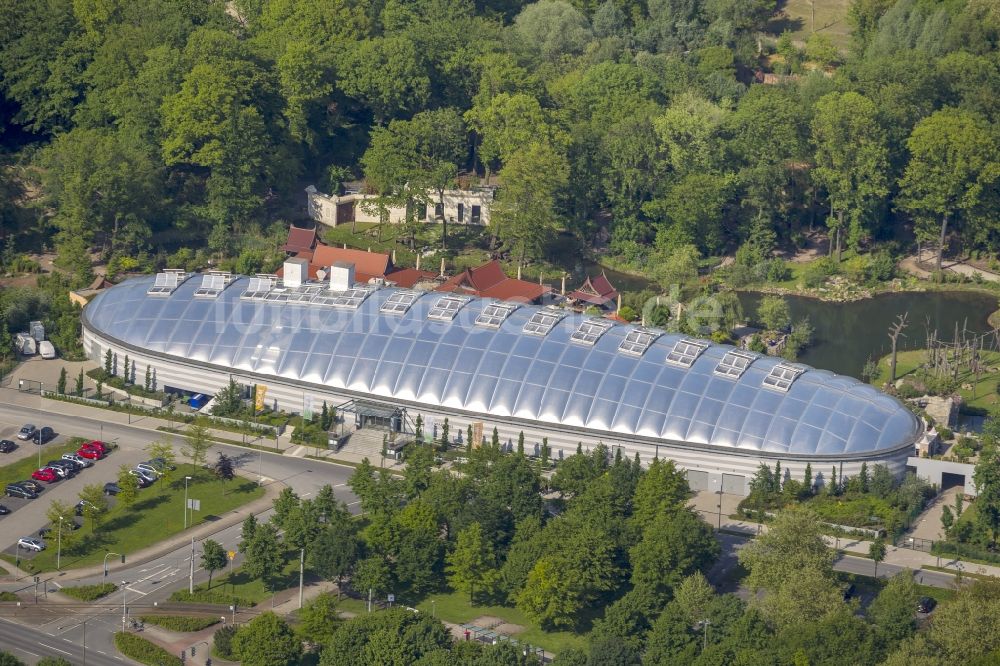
x=923 y=265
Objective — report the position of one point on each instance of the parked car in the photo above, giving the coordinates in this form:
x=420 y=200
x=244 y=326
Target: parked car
x=144 y=481
x=98 y=444
x=33 y=486
x=146 y=474
x=31 y=543
x=146 y=467
x=4 y=510
x=68 y=468
x=46 y=474
x=111 y=488
x=89 y=453
x=6 y=446
x=14 y=490
x=26 y=432
x=849 y=592
x=926 y=604
x=79 y=460
x=161 y=464
x=80 y=505
x=68 y=525
x=46 y=349
x=44 y=434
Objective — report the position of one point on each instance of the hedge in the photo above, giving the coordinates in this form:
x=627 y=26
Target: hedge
x=89 y=592
x=206 y=597
x=143 y=651
x=8 y=596
x=223 y=641
x=180 y=622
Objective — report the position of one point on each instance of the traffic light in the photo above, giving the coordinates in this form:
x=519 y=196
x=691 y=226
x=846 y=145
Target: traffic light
x=208 y=662
x=192 y=649
x=123 y=559
x=183 y=655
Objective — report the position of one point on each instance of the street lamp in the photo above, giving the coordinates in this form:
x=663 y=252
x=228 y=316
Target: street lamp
x=124 y=609
x=186 y=479
x=719 y=493
x=39 y=434
x=302 y=568
x=106 y=556
x=704 y=625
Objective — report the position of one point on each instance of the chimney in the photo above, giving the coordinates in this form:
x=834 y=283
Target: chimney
x=345 y=246
x=393 y=256
x=442 y=266
x=369 y=248
x=418 y=262
x=295 y=272
x=539 y=277
x=519 y=271
x=341 y=276
x=563 y=292
x=619 y=301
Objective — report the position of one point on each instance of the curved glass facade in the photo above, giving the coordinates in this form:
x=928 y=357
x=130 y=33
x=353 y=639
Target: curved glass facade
x=612 y=382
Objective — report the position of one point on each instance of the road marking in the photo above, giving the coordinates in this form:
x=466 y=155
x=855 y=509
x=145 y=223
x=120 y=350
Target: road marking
x=54 y=648
x=353 y=503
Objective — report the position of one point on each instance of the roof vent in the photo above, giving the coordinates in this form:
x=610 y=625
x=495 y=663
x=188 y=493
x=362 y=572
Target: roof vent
x=447 y=307
x=543 y=321
x=295 y=272
x=259 y=286
x=735 y=363
x=213 y=283
x=341 y=276
x=781 y=377
x=167 y=281
x=686 y=352
x=638 y=340
x=399 y=302
x=495 y=314
x=590 y=331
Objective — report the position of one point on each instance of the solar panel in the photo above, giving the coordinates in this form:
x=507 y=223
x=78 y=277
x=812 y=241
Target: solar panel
x=638 y=340
x=447 y=307
x=544 y=320
x=735 y=363
x=351 y=298
x=685 y=352
x=495 y=314
x=591 y=330
x=399 y=302
x=781 y=377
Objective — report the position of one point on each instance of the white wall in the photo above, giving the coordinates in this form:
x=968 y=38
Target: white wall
x=323 y=207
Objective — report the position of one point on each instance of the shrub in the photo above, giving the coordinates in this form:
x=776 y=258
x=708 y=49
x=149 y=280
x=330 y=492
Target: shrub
x=224 y=641
x=143 y=651
x=89 y=592
x=816 y=272
x=207 y=597
x=180 y=622
x=8 y=596
x=945 y=433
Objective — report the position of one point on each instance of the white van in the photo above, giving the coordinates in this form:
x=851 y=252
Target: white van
x=46 y=349
x=25 y=344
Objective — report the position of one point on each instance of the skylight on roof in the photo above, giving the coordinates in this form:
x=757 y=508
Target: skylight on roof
x=447 y=307
x=781 y=377
x=495 y=314
x=544 y=320
x=638 y=340
x=166 y=282
x=260 y=286
x=685 y=352
x=734 y=363
x=351 y=298
x=590 y=330
x=213 y=283
x=399 y=302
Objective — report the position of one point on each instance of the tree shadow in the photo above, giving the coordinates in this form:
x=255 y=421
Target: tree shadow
x=120 y=522
x=783 y=22
x=150 y=502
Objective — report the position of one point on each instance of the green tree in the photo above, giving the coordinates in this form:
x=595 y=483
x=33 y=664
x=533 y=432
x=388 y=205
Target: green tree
x=388 y=74
x=525 y=214
x=334 y=550
x=61 y=516
x=876 y=551
x=673 y=546
x=213 y=558
x=78 y=391
x=851 y=162
x=128 y=486
x=61 y=384
x=107 y=363
x=263 y=555
x=371 y=573
x=247 y=532
x=319 y=618
x=266 y=640
x=954 y=163
x=892 y=610
x=164 y=450
x=662 y=488
x=285 y=504
x=471 y=564
x=197 y=443
x=773 y=313
x=95 y=504
x=793 y=542
x=987 y=478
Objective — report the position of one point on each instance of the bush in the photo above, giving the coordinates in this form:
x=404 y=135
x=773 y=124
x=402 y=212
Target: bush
x=180 y=622
x=207 y=597
x=945 y=433
x=143 y=651
x=224 y=641
x=89 y=592
x=817 y=272
x=8 y=596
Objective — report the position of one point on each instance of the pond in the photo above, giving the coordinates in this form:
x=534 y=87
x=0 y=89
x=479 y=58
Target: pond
x=848 y=334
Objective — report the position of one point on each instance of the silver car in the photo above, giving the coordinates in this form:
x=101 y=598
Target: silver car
x=148 y=469
x=144 y=475
x=31 y=543
x=79 y=460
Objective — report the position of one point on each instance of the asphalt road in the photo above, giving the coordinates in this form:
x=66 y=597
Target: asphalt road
x=149 y=582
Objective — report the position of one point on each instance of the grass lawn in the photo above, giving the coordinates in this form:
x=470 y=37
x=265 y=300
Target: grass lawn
x=248 y=591
x=455 y=607
x=831 y=20
x=157 y=514
x=983 y=394
x=22 y=469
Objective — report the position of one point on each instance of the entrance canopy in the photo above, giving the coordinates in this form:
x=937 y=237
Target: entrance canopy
x=368 y=414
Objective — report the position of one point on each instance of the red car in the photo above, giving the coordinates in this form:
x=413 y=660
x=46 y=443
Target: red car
x=46 y=474
x=91 y=453
x=96 y=444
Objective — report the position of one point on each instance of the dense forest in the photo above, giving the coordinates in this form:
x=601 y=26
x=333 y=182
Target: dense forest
x=646 y=127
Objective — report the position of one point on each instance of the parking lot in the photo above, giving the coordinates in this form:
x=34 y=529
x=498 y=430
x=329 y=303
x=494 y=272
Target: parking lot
x=28 y=515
